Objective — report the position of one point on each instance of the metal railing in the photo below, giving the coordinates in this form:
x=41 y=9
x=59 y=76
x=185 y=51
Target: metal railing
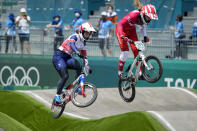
x=162 y=44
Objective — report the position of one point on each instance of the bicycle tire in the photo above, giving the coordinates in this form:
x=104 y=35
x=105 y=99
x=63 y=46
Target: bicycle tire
x=89 y=102
x=120 y=88
x=61 y=111
x=158 y=76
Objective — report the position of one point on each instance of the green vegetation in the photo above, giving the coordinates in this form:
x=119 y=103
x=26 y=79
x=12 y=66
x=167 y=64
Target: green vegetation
x=193 y=90
x=1 y=87
x=25 y=87
x=10 y=124
x=37 y=117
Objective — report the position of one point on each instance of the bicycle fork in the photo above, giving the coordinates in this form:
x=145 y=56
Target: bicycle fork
x=82 y=81
x=144 y=62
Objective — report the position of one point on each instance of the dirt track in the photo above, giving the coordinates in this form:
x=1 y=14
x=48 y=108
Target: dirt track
x=176 y=106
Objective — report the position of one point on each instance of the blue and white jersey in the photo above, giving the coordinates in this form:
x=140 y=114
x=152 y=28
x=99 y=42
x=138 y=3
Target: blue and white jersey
x=11 y=28
x=77 y=22
x=104 y=28
x=73 y=44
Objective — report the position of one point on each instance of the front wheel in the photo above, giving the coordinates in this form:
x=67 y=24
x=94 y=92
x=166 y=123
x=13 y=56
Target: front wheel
x=126 y=90
x=57 y=109
x=80 y=100
x=156 y=69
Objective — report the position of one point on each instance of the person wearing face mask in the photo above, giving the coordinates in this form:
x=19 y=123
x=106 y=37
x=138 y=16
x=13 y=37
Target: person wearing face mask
x=105 y=32
x=11 y=32
x=126 y=29
x=179 y=35
x=57 y=24
x=63 y=59
x=78 y=21
x=111 y=15
x=23 y=22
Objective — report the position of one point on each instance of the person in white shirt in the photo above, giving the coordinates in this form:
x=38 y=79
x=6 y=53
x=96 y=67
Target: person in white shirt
x=23 y=22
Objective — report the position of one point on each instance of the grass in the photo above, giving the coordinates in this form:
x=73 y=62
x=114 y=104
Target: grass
x=193 y=90
x=10 y=124
x=37 y=117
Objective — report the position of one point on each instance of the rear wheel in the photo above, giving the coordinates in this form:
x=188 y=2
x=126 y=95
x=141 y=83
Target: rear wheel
x=126 y=90
x=155 y=73
x=83 y=101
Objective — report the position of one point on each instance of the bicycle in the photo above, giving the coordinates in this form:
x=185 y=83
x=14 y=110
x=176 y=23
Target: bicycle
x=78 y=88
x=151 y=68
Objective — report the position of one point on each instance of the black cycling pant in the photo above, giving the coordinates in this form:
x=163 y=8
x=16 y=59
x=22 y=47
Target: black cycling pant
x=75 y=65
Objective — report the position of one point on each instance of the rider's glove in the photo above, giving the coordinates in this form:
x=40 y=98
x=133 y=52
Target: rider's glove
x=87 y=67
x=146 y=39
x=90 y=70
x=124 y=38
x=80 y=55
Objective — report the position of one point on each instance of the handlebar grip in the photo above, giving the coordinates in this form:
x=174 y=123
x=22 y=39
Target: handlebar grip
x=126 y=39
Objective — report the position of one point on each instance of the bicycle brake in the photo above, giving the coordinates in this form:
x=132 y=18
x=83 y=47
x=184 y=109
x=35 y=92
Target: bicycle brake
x=133 y=80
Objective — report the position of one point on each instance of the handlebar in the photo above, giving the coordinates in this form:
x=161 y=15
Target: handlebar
x=138 y=44
x=79 y=55
x=127 y=39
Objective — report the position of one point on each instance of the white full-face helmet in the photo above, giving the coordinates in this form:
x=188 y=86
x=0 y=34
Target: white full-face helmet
x=149 y=11
x=86 y=27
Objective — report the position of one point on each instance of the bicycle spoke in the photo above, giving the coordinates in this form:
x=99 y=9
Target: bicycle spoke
x=80 y=99
x=126 y=89
x=154 y=71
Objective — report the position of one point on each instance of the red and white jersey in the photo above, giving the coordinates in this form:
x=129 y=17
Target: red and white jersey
x=130 y=21
x=73 y=44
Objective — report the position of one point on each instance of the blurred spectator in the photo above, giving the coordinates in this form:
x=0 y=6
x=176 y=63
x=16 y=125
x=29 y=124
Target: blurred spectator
x=179 y=35
x=0 y=28
x=77 y=21
x=194 y=31
x=23 y=22
x=105 y=32
x=111 y=15
x=0 y=35
x=10 y=33
x=57 y=24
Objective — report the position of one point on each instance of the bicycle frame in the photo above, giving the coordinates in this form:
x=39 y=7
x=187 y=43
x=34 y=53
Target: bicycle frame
x=140 y=59
x=81 y=80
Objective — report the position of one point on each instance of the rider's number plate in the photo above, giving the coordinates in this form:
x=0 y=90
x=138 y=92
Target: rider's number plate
x=139 y=45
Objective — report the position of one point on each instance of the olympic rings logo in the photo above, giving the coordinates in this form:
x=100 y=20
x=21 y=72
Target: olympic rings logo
x=13 y=78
